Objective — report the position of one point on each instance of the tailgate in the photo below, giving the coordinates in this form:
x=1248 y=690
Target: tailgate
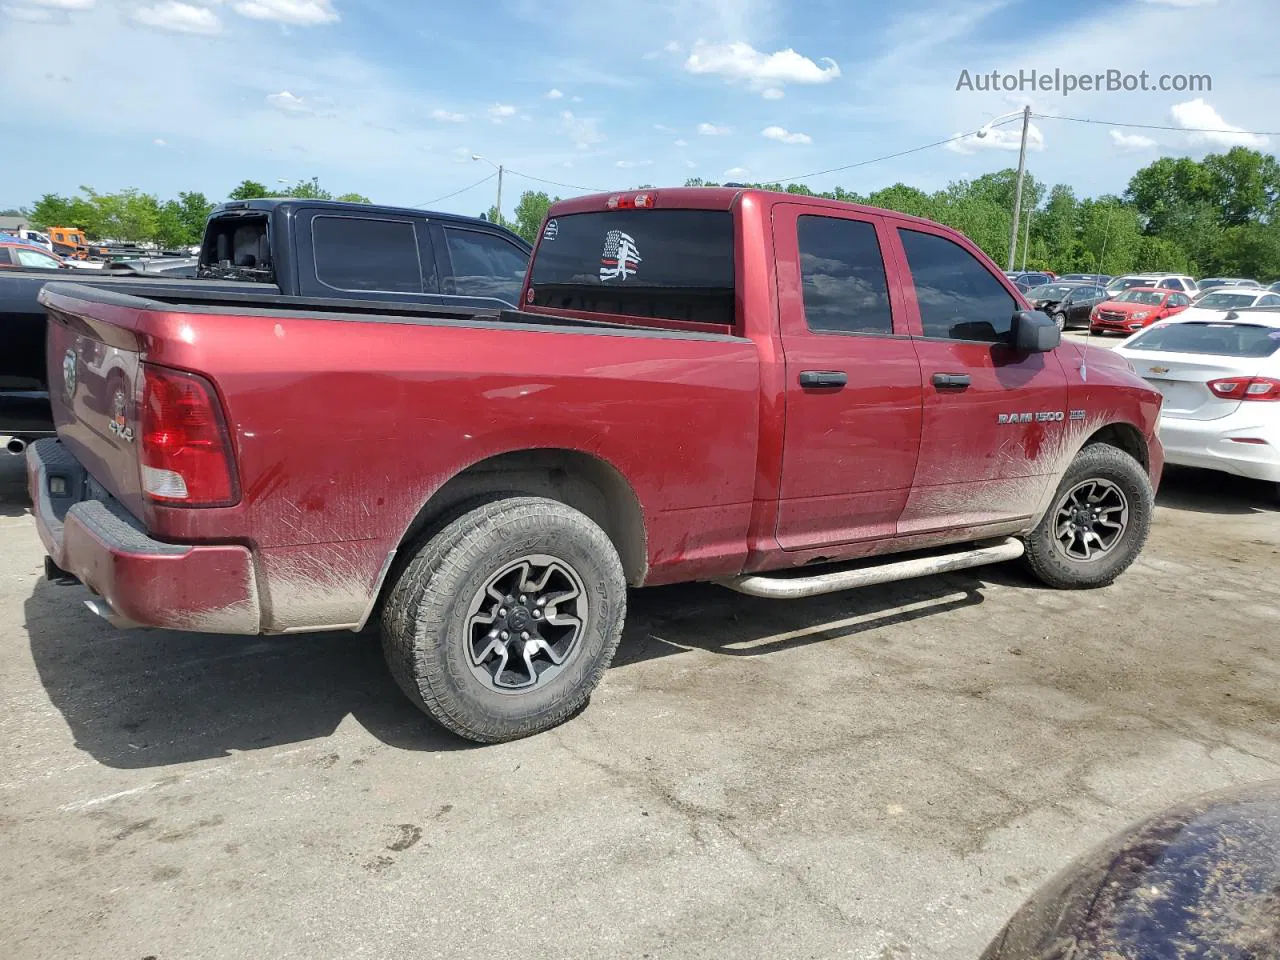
x=94 y=369
x=1184 y=381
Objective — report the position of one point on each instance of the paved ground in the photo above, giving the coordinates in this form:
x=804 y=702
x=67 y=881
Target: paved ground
x=882 y=775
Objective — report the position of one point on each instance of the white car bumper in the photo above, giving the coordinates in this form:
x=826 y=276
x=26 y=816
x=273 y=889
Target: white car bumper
x=1216 y=444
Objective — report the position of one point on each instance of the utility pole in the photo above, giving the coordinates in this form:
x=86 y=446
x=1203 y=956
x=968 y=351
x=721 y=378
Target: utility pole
x=1017 y=190
x=499 y=194
x=1026 y=237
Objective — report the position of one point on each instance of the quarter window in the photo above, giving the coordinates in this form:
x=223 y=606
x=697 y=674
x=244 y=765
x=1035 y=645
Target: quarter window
x=959 y=298
x=842 y=275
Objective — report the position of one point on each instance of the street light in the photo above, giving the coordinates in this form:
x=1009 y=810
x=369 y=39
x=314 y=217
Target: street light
x=1022 y=165
x=498 y=167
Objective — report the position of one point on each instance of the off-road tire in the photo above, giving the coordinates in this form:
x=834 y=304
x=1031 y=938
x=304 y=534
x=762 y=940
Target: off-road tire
x=424 y=632
x=1098 y=461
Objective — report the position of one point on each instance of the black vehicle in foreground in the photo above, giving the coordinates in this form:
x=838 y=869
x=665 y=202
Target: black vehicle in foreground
x=1068 y=302
x=299 y=248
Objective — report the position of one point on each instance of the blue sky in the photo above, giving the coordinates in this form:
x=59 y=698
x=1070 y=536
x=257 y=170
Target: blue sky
x=392 y=97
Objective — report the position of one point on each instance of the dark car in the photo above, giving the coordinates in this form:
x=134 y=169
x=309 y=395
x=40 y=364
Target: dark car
x=1101 y=279
x=1226 y=282
x=1068 y=302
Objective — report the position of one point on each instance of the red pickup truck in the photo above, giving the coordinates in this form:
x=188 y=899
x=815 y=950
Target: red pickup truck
x=703 y=384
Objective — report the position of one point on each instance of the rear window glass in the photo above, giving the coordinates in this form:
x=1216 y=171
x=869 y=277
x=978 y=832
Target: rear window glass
x=1215 y=339
x=359 y=253
x=668 y=264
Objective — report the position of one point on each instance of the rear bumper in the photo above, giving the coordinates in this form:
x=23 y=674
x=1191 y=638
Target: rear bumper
x=145 y=582
x=1210 y=444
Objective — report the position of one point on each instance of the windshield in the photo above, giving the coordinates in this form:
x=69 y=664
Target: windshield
x=1149 y=297
x=1049 y=291
x=1227 y=301
x=1216 y=339
x=1127 y=283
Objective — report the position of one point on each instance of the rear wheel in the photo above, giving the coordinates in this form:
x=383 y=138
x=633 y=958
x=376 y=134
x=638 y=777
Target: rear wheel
x=505 y=621
x=1097 y=522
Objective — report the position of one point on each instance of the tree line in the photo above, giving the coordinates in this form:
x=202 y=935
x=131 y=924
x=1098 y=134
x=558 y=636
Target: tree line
x=1215 y=216
x=136 y=217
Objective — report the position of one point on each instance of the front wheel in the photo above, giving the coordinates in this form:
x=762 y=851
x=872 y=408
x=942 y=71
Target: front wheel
x=1061 y=320
x=505 y=621
x=1097 y=522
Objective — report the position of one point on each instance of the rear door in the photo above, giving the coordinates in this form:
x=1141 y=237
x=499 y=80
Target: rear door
x=853 y=402
x=372 y=256
x=993 y=418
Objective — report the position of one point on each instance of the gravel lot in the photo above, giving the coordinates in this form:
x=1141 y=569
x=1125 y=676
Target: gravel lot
x=882 y=775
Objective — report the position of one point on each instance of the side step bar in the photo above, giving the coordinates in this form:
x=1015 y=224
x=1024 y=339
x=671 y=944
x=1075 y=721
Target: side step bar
x=794 y=588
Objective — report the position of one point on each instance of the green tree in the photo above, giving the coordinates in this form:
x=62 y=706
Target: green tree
x=170 y=229
x=193 y=210
x=531 y=210
x=1244 y=185
x=353 y=198
x=249 y=190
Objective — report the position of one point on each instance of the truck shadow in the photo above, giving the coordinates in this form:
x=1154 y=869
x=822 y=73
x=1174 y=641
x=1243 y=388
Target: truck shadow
x=152 y=698
x=13 y=485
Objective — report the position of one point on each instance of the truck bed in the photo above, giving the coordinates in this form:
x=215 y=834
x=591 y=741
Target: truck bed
x=346 y=418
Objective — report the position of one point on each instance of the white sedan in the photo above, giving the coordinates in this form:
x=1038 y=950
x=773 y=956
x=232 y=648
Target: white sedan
x=1221 y=384
x=1215 y=304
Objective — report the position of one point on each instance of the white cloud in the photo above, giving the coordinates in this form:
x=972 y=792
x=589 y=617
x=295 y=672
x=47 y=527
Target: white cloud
x=445 y=116
x=672 y=46
x=178 y=17
x=741 y=62
x=735 y=172
x=1131 y=141
x=681 y=143
x=772 y=93
x=302 y=13
x=628 y=164
x=500 y=111
x=554 y=94
x=690 y=164
x=999 y=138
x=663 y=128
x=1198 y=116
x=461 y=154
x=159 y=142
x=711 y=130
x=27 y=14
x=785 y=136
x=581 y=131
x=288 y=103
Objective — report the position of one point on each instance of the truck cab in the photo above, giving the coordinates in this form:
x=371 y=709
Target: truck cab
x=331 y=249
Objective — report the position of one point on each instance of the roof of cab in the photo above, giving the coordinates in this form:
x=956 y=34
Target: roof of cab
x=721 y=198
x=268 y=204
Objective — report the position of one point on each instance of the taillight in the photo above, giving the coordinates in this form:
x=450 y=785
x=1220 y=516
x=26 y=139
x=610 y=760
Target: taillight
x=1246 y=388
x=186 y=451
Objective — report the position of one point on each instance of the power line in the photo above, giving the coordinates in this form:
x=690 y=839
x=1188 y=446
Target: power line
x=557 y=183
x=447 y=196
x=887 y=156
x=1156 y=126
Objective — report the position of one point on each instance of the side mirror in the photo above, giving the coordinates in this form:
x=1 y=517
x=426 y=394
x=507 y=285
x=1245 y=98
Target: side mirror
x=1034 y=332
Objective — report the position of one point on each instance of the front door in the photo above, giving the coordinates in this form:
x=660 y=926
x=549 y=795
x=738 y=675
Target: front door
x=994 y=420
x=852 y=381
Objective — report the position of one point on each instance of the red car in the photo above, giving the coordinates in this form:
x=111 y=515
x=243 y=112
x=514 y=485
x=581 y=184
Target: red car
x=719 y=384
x=1136 y=308
x=18 y=255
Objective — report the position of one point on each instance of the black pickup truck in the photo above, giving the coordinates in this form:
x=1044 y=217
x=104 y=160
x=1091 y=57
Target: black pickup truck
x=301 y=248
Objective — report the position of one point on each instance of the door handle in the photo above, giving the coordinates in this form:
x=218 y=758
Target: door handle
x=953 y=381
x=826 y=379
